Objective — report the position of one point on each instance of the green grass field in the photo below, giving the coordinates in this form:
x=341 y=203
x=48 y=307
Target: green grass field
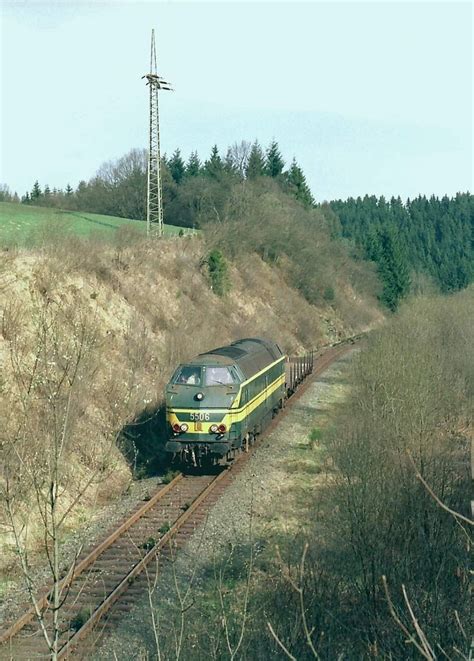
x=22 y=224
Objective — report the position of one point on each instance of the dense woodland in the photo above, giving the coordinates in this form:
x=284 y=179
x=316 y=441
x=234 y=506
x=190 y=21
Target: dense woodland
x=431 y=236
x=421 y=244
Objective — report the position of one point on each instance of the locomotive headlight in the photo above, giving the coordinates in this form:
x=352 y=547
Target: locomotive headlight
x=184 y=427
x=213 y=429
x=199 y=396
x=222 y=429
x=176 y=427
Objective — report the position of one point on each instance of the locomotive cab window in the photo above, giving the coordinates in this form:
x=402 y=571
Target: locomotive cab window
x=188 y=374
x=219 y=376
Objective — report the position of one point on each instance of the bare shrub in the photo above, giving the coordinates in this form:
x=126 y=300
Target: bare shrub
x=11 y=321
x=50 y=232
x=40 y=482
x=125 y=239
x=260 y=219
x=410 y=400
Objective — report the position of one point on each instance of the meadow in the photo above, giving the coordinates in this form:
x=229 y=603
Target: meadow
x=25 y=225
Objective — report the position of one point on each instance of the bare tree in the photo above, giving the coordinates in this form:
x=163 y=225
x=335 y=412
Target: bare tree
x=42 y=446
x=239 y=155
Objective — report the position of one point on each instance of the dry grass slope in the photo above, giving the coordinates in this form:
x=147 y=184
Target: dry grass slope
x=125 y=314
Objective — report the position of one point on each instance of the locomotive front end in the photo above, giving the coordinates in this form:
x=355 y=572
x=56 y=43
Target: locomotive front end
x=199 y=403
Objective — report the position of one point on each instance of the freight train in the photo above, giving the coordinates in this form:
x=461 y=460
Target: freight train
x=218 y=402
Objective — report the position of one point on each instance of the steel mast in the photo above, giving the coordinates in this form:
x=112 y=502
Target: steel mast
x=154 y=206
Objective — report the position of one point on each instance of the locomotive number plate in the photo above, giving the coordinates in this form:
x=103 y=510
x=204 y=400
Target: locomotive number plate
x=199 y=416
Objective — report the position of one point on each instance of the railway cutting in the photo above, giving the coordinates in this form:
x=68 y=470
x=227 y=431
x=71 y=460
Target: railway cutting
x=107 y=580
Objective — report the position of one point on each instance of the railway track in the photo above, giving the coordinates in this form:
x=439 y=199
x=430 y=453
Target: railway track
x=106 y=582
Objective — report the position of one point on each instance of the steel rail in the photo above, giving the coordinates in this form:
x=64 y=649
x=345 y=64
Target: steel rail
x=325 y=359
x=87 y=561
x=328 y=357
x=106 y=605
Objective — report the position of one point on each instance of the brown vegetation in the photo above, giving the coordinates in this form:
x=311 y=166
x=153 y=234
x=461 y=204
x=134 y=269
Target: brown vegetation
x=383 y=571
x=125 y=315
x=259 y=218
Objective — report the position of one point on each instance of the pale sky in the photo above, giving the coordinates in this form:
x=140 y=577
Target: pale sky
x=372 y=97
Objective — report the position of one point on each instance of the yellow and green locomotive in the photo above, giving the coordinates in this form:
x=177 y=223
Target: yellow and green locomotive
x=219 y=401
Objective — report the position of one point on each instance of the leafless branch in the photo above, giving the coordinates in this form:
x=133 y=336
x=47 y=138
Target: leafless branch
x=410 y=638
x=456 y=515
x=280 y=644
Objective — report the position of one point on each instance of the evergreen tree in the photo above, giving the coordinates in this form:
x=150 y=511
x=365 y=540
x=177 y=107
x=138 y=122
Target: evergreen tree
x=393 y=269
x=176 y=167
x=434 y=236
x=274 y=163
x=26 y=198
x=47 y=192
x=298 y=185
x=256 y=163
x=69 y=190
x=229 y=164
x=193 y=167
x=36 y=192
x=214 y=166
x=218 y=272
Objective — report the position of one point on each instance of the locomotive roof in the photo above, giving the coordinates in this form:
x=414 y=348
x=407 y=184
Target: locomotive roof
x=250 y=354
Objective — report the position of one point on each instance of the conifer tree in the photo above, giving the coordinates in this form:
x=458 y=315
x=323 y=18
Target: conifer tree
x=69 y=190
x=298 y=185
x=214 y=166
x=36 y=191
x=26 y=198
x=393 y=269
x=176 y=167
x=193 y=167
x=434 y=236
x=256 y=163
x=274 y=163
x=229 y=164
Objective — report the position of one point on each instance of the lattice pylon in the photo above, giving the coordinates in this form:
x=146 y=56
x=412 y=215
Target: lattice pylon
x=154 y=212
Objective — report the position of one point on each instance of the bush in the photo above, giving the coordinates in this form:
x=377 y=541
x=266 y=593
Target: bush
x=260 y=218
x=81 y=618
x=218 y=272
x=406 y=414
x=329 y=295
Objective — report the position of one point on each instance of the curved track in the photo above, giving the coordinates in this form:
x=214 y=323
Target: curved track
x=105 y=583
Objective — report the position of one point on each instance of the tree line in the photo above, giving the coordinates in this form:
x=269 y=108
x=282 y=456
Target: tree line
x=118 y=186
x=431 y=236
x=423 y=241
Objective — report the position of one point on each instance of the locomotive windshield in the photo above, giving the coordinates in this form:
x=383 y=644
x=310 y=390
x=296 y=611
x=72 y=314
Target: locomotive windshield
x=218 y=376
x=195 y=375
x=189 y=374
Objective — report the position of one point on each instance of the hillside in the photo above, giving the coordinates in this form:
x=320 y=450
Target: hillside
x=22 y=224
x=90 y=335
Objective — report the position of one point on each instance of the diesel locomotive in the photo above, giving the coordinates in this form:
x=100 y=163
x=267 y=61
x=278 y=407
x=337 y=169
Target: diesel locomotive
x=219 y=401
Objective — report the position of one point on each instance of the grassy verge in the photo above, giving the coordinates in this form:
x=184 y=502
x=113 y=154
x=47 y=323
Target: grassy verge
x=22 y=224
